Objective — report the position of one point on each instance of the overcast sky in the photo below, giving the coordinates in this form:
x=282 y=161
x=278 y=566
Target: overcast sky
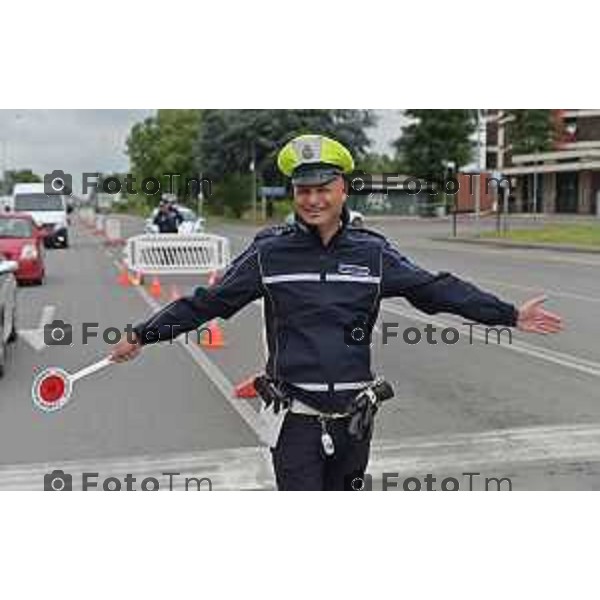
x=79 y=141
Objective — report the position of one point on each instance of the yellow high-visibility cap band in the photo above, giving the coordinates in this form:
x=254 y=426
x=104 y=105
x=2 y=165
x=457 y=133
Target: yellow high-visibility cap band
x=314 y=149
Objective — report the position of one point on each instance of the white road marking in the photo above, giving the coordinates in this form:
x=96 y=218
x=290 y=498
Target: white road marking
x=249 y=468
x=243 y=468
x=511 y=447
x=35 y=337
x=537 y=289
x=253 y=419
x=520 y=254
x=563 y=359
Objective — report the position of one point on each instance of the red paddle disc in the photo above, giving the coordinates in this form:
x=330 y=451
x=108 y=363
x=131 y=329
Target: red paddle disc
x=52 y=389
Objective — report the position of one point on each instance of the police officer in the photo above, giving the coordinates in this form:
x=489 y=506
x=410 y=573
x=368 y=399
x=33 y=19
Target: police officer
x=322 y=282
x=168 y=218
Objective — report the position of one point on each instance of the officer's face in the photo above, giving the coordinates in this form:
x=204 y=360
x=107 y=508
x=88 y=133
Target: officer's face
x=320 y=205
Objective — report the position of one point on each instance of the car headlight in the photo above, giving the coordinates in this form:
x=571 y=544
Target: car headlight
x=29 y=252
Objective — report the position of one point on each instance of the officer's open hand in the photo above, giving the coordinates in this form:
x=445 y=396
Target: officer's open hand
x=125 y=350
x=533 y=318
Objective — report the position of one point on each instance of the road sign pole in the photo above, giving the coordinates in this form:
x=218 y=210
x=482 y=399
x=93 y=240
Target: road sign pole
x=481 y=165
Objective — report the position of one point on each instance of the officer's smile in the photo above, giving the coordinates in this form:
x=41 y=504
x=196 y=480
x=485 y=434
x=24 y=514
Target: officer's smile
x=321 y=205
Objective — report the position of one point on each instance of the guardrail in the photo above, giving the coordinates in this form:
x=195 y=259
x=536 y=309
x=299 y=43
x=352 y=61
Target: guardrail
x=167 y=253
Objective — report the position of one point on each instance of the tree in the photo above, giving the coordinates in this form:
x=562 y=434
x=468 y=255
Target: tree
x=381 y=163
x=163 y=144
x=531 y=131
x=232 y=140
x=21 y=176
x=435 y=137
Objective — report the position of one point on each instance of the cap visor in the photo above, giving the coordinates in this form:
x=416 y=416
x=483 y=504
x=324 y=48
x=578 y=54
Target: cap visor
x=314 y=177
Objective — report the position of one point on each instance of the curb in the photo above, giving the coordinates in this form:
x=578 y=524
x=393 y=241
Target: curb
x=522 y=245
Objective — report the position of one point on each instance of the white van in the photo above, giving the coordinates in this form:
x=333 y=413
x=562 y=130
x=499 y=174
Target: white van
x=49 y=211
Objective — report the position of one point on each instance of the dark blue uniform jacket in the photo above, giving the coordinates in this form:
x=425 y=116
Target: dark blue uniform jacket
x=314 y=295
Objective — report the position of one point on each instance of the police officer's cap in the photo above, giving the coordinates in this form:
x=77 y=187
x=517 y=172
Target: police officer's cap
x=314 y=160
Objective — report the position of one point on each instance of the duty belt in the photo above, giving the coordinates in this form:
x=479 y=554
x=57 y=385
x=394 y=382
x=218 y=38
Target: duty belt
x=300 y=408
x=361 y=409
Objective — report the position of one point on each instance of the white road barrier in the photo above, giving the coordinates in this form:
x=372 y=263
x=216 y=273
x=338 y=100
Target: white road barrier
x=112 y=230
x=167 y=253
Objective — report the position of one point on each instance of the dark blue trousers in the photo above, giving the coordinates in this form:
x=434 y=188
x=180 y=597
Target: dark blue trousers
x=300 y=462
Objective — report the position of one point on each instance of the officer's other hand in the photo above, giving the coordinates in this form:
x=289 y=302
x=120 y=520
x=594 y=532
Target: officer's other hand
x=533 y=318
x=125 y=350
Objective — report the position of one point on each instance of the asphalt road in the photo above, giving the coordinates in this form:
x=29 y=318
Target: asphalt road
x=528 y=410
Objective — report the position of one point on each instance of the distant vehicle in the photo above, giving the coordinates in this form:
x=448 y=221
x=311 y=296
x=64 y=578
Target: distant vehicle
x=192 y=223
x=49 y=211
x=22 y=241
x=8 y=308
x=356 y=219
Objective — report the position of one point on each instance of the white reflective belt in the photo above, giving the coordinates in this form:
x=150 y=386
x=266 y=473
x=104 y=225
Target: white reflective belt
x=352 y=278
x=337 y=387
x=292 y=277
x=300 y=408
x=335 y=277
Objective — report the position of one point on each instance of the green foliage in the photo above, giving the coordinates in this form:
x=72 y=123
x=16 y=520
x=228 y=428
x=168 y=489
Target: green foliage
x=222 y=144
x=381 y=163
x=232 y=196
x=136 y=204
x=231 y=139
x=531 y=131
x=435 y=137
x=162 y=144
x=22 y=176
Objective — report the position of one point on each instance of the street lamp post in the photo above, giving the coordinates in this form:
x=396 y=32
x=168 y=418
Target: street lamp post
x=253 y=172
x=481 y=165
x=535 y=194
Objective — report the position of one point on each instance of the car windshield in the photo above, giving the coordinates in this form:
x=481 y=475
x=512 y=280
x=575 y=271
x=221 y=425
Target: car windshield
x=35 y=202
x=15 y=228
x=188 y=215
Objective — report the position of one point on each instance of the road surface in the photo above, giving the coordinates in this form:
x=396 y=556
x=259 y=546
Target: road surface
x=527 y=410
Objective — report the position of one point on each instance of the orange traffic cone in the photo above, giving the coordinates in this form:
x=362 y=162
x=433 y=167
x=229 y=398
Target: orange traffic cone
x=174 y=294
x=212 y=336
x=155 y=289
x=246 y=389
x=123 y=278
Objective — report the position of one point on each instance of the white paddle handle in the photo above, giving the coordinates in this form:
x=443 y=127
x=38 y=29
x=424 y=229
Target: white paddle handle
x=101 y=364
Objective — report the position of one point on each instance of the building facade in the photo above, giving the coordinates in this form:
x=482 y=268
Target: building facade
x=563 y=180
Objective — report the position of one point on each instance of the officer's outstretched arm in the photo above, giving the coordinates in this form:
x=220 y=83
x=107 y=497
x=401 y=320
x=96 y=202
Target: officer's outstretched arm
x=441 y=292
x=240 y=285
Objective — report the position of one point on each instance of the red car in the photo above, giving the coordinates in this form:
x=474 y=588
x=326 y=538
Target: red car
x=22 y=241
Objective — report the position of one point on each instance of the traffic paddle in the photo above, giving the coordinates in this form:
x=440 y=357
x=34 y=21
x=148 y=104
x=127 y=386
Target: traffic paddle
x=52 y=387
